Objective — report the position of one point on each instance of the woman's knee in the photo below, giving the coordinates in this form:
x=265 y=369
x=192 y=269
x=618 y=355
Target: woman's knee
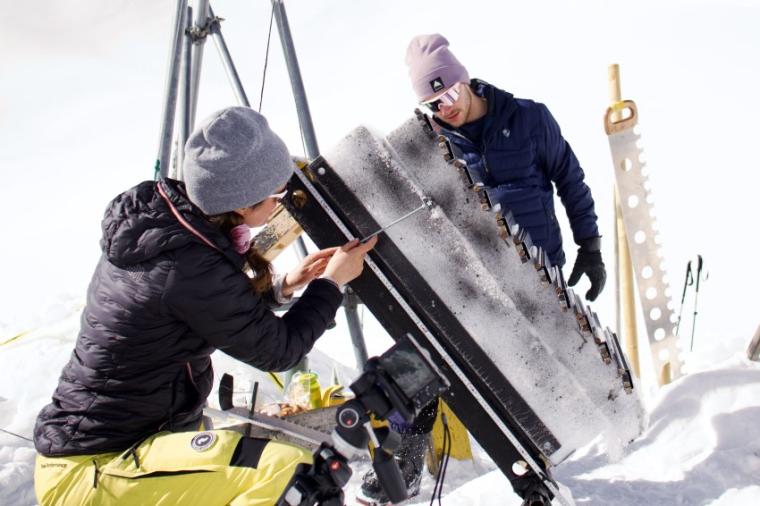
x=271 y=467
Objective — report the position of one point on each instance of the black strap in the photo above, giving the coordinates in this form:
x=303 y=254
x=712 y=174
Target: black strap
x=248 y=452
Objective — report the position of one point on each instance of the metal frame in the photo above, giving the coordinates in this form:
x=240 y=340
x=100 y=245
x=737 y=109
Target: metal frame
x=170 y=92
x=394 y=311
x=224 y=53
x=200 y=19
x=296 y=82
x=190 y=27
x=312 y=152
x=185 y=95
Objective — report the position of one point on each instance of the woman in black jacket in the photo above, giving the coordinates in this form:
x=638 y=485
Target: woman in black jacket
x=178 y=279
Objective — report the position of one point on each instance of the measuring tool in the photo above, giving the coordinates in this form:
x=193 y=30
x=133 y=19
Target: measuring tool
x=426 y=203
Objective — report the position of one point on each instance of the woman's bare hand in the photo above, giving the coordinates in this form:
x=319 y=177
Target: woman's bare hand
x=311 y=267
x=347 y=262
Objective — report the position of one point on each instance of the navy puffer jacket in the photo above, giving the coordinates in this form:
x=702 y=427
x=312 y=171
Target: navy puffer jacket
x=159 y=303
x=521 y=154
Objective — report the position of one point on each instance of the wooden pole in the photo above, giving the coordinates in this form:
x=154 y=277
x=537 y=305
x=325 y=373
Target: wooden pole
x=753 y=351
x=613 y=88
x=625 y=304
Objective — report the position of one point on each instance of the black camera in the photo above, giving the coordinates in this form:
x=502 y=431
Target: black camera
x=403 y=379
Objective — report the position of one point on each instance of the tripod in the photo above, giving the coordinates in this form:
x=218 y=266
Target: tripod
x=191 y=27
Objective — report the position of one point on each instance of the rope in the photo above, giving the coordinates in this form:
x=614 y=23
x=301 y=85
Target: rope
x=447 y=433
x=444 y=462
x=266 y=59
x=17 y=435
x=264 y=73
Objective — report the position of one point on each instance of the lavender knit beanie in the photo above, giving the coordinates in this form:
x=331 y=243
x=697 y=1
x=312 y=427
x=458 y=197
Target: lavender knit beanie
x=432 y=67
x=233 y=160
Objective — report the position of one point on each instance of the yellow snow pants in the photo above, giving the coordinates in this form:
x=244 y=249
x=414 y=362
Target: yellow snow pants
x=217 y=467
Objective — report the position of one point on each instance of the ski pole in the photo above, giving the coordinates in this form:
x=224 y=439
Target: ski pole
x=696 y=297
x=688 y=281
x=17 y=435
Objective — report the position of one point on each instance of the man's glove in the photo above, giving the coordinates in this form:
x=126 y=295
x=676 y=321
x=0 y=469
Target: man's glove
x=589 y=262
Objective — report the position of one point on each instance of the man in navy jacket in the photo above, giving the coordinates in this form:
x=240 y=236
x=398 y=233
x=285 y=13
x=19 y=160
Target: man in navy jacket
x=515 y=148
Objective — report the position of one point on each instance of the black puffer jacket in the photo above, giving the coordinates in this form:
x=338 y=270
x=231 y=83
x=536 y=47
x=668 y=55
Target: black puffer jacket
x=160 y=302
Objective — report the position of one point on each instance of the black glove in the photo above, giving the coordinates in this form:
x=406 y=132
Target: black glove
x=589 y=262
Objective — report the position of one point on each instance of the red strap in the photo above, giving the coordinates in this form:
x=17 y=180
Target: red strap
x=182 y=220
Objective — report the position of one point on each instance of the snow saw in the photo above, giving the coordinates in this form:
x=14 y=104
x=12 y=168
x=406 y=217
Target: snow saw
x=637 y=211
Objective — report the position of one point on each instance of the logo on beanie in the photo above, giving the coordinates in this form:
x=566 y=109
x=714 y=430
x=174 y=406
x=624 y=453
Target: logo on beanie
x=436 y=84
x=203 y=441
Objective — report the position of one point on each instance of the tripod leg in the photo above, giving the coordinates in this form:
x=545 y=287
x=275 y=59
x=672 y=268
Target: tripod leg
x=229 y=67
x=184 y=92
x=200 y=15
x=170 y=93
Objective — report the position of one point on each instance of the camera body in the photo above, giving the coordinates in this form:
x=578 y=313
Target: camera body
x=407 y=376
x=404 y=379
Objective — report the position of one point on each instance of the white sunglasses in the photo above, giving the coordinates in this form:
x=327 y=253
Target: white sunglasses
x=447 y=98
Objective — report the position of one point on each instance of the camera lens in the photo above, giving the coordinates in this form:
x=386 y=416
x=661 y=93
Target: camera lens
x=348 y=418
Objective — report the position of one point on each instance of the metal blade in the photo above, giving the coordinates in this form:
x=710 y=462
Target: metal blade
x=637 y=210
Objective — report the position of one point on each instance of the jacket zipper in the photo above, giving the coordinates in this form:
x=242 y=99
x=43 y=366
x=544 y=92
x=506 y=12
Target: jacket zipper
x=485 y=161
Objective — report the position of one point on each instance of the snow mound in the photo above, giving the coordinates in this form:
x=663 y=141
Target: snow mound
x=702 y=445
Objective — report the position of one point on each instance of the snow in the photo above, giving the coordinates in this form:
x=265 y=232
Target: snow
x=81 y=97
x=703 y=441
x=702 y=446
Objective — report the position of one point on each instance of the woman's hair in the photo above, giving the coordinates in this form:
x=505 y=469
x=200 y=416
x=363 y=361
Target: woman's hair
x=261 y=282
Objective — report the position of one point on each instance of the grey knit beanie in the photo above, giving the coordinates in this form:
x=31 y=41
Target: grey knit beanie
x=432 y=67
x=234 y=160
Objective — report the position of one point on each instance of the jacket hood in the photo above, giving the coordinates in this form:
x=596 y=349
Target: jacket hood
x=138 y=225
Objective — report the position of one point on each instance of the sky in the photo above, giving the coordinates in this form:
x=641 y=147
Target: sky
x=82 y=89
